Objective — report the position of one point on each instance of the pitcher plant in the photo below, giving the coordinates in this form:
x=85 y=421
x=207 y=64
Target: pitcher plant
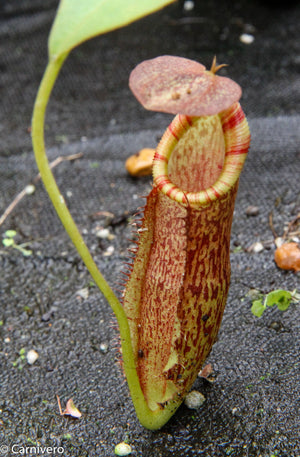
x=177 y=290
x=175 y=296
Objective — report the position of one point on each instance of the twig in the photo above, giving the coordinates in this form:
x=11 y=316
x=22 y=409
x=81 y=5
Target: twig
x=272 y=225
x=24 y=192
x=288 y=230
x=59 y=405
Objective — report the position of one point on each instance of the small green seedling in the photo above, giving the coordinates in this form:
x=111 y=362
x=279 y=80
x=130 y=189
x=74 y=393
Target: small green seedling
x=9 y=242
x=19 y=362
x=281 y=298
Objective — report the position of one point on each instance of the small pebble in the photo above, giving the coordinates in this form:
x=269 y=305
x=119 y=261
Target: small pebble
x=47 y=316
x=103 y=348
x=109 y=251
x=279 y=241
x=122 y=449
x=188 y=5
x=194 y=399
x=253 y=294
x=104 y=234
x=252 y=210
x=277 y=326
x=30 y=189
x=246 y=38
x=32 y=356
x=83 y=293
x=256 y=247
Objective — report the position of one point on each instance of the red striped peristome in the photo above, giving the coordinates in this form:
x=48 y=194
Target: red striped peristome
x=177 y=290
x=237 y=138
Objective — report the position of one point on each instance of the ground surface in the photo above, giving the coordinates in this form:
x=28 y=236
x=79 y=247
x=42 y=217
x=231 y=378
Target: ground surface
x=252 y=409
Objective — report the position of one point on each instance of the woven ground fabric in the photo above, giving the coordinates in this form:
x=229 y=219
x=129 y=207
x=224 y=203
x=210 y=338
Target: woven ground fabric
x=47 y=300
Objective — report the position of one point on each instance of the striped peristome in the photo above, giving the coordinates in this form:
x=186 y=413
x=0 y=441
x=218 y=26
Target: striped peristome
x=236 y=136
x=177 y=290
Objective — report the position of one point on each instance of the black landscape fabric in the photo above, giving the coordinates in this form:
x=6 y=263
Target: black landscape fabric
x=47 y=300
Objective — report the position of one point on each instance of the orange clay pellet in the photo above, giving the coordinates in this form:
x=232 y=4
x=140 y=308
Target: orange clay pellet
x=287 y=256
x=140 y=164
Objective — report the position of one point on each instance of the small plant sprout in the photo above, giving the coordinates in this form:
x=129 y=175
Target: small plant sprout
x=19 y=362
x=9 y=238
x=281 y=298
x=178 y=284
x=9 y=242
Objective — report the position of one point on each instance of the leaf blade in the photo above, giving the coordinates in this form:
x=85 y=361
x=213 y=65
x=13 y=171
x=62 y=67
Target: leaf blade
x=280 y=297
x=257 y=308
x=77 y=21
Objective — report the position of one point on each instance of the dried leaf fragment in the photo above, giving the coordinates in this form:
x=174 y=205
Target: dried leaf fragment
x=287 y=256
x=83 y=293
x=70 y=410
x=177 y=85
x=140 y=164
x=207 y=373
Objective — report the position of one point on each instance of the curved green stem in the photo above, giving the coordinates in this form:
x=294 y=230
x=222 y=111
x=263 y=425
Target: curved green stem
x=150 y=419
x=52 y=188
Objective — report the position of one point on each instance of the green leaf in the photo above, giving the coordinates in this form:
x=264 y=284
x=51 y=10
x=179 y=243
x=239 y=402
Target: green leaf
x=26 y=252
x=257 y=308
x=281 y=298
x=78 y=20
x=8 y=242
x=10 y=233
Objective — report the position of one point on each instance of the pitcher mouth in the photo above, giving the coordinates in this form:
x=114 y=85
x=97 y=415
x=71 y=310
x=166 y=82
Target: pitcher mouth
x=237 y=139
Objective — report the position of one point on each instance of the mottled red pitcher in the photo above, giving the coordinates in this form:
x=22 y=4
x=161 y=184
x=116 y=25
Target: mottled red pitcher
x=177 y=290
